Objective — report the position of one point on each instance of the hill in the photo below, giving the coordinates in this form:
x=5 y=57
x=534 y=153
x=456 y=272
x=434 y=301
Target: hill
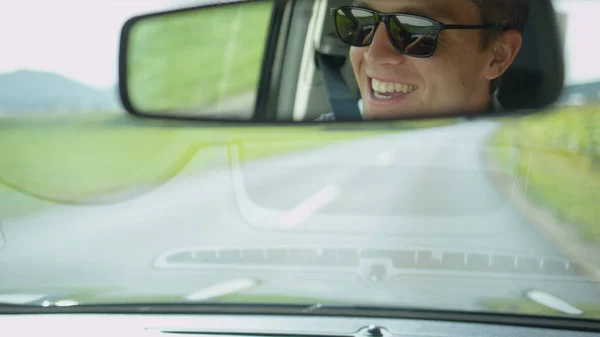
x=26 y=91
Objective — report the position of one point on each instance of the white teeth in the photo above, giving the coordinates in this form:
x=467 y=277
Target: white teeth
x=380 y=96
x=375 y=85
x=385 y=87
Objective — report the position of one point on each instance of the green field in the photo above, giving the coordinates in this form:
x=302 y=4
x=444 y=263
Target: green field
x=196 y=59
x=560 y=160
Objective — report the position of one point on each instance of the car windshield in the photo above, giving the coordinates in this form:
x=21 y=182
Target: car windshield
x=98 y=206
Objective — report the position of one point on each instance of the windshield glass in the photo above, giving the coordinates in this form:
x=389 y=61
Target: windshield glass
x=97 y=206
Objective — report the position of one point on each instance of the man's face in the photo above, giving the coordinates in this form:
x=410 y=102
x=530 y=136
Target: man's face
x=452 y=80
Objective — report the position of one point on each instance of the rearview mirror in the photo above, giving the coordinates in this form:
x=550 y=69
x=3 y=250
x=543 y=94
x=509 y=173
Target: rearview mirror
x=189 y=62
x=206 y=62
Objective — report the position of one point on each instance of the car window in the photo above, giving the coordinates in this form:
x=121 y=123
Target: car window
x=97 y=206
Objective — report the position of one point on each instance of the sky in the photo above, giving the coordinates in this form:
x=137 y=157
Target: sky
x=75 y=38
x=79 y=38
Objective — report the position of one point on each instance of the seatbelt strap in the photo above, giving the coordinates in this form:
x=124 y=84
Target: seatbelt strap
x=343 y=103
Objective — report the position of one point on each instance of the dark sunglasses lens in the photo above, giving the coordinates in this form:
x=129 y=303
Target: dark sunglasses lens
x=415 y=36
x=355 y=26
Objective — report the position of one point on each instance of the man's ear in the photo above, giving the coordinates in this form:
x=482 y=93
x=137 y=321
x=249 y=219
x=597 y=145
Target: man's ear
x=504 y=51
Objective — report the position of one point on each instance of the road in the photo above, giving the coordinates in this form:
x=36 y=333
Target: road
x=410 y=218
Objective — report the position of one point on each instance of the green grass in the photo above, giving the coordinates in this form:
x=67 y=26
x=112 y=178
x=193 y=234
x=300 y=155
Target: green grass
x=528 y=307
x=195 y=59
x=560 y=160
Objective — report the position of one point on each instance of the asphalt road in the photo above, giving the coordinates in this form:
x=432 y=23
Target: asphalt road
x=410 y=218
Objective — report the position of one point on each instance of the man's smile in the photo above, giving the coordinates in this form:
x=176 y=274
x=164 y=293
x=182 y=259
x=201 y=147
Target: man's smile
x=389 y=91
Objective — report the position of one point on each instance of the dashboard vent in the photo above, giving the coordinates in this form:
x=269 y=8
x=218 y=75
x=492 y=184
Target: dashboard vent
x=346 y=259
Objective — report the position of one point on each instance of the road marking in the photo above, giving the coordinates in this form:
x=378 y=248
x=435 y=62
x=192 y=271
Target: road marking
x=553 y=302
x=221 y=289
x=310 y=205
x=385 y=159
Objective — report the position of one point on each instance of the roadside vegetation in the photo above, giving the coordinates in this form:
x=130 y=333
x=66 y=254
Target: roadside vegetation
x=559 y=159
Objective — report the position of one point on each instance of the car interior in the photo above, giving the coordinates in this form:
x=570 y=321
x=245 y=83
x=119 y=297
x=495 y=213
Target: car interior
x=534 y=80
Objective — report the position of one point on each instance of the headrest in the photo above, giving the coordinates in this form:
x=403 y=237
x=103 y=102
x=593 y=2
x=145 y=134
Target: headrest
x=536 y=77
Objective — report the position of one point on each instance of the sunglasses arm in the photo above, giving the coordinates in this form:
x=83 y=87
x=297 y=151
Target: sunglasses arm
x=463 y=27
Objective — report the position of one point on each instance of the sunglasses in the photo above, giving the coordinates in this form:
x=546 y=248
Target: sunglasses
x=411 y=35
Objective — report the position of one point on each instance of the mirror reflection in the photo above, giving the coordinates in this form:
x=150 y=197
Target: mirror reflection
x=199 y=63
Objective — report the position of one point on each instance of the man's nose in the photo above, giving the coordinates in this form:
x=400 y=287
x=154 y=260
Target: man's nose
x=381 y=51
